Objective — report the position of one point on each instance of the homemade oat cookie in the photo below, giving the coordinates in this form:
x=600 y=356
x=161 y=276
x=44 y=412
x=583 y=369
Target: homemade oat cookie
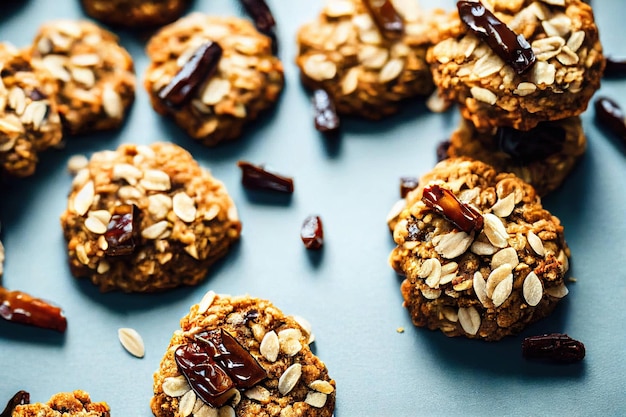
x=543 y=156
x=135 y=13
x=65 y=404
x=365 y=70
x=221 y=70
x=238 y=355
x=147 y=218
x=567 y=70
x=29 y=121
x=480 y=256
x=95 y=74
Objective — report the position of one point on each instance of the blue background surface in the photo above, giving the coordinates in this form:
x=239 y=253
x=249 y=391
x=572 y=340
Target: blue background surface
x=348 y=292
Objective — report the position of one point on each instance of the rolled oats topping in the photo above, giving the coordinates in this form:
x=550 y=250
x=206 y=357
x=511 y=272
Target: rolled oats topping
x=500 y=278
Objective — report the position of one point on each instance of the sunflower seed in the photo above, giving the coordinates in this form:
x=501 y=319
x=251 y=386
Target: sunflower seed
x=315 y=399
x=155 y=230
x=495 y=231
x=484 y=95
x=186 y=404
x=450 y=314
x=184 y=207
x=322 y=386
x=532 y=289
x=480 y=288
x=289 y=341
x=55 y=64
x=576 y=40
x=215 y=90
x=258 y=393
x=373 y=57
x=535 y=243
x=431 y=271
x=270 y=346
x=505 y=256
x=559 y=291
x=469 y=319
x=175 y=386
x=112 y=102
x=502 y=291
x=497 y=276
x=350 y=81
x=84 y=76
x=289 y=378
x=17 y=100
x=155 y=180
x=453 y=244
x=132 y=341
x=206 y=302
x=392 y=70
x=84 y=198
x=95 y=225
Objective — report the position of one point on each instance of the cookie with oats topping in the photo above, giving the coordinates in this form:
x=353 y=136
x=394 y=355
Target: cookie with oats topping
x=29 y=121
x=367 y=71
x=95 y=74
x=212 y=75
x=568 y=65
x=480 y=255
x=135 y=13
x=239 y=355
x=64 y=404
x=543 y=156
x=147 y=218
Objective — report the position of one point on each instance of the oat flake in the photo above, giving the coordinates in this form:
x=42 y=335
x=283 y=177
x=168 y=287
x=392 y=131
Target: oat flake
x=132 y=341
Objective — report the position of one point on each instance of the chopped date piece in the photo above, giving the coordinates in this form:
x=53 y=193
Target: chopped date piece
x=555 y=347
x=533 y=145
x=611 y=115
x=263 y=19
x=20 y=398
x=201 y=66
x=615 y=68
x=444 y=201
x=19 y=307
x=408 y=184
x=123 y=230
x=257 y=178
x=312 y=232
x=325 y=113
x=512 y=48
x=386 y=18
x=442 y=150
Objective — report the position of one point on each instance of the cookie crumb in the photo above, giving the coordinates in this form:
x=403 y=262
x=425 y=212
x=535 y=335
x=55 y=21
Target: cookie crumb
x=400 y=330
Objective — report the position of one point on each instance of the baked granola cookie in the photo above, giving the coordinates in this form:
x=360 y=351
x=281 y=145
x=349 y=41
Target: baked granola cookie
x=568 y=65
x=135 y=13
x=222 y=70
x=480 y=256
x=543 y=156
x=244 y=357
x=147 y=218
x=368 y=72
x=64 y=404
x=95 y=74
x=29 y=121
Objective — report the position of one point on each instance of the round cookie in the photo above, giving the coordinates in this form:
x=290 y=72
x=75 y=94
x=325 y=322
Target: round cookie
x=486 y=279
x=29 y=121
x=94 y=72
x=280 y=375
x=543 y=156
x=147 y=218
x=366 y=72
x=64 y=404
x=568 y=68
x=248 y=78
x=135 y=13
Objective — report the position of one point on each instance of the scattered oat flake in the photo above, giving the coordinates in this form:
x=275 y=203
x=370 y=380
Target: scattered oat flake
x=132 y=341
x=572 y=279
x=400 y=330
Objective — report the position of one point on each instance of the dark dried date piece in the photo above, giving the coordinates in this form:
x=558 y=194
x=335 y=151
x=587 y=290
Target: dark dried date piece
x=615 y=68
x=19 y=307
x=122 y=233
x=20 y=398
x=408 y=184
x=257 y=178
x=201 y=66
x=526 y=146
x=610 y=115
x=263 y=19
x=312 y=232
x=512 y=48
x=555 y=347
x=442 y=150
x=444 y=201
x=386 y=18
x=324 y=112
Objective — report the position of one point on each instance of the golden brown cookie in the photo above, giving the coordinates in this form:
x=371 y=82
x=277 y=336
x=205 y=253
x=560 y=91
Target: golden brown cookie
x=135 y=13
x=64 y=404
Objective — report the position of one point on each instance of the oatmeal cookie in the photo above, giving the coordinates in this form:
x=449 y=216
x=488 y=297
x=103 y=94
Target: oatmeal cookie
x=567 y=71
x=147 y=218
x=216 y=99
x=65 y=404
x=480 y=256
x=135 y=13
x=29 y=121
x=367 y=72
x=95 y=74
x=274 y=373
x=543 y=156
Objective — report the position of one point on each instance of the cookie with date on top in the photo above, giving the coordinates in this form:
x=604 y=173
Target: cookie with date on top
x=238 y=355
x=64 y=404
x=542 y=61
x=212 y=75
x=480 y=255
x=147 y=218
x=135 y=13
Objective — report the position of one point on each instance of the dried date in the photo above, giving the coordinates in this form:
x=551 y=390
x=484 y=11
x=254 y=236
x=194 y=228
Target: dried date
x=442 y=150
x=386 y=18
x=512 y=48
x=444 y=201
x=20 y=398
x=526 y=146
x=555 y=347
x=122 y=232
x=312 y=232
x=201 y=66
x=610 y=115
x=263 y=19
x=19 y=307
x=615 y=68
x=408 y=184
x=324 y=113
x=258 y=178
